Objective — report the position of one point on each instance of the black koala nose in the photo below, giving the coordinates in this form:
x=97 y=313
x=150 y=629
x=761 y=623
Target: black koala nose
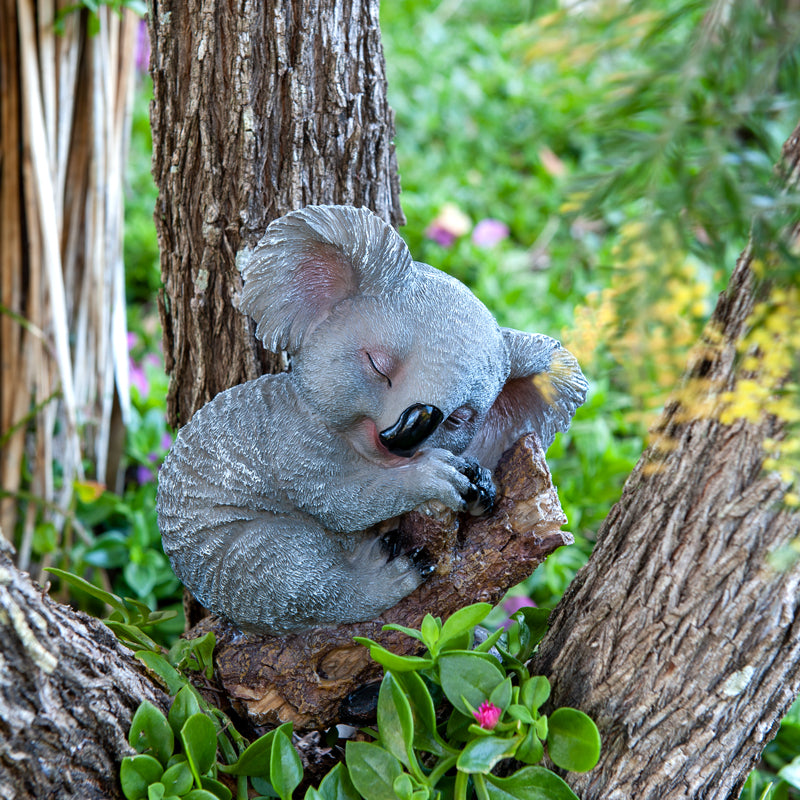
x=415 y=425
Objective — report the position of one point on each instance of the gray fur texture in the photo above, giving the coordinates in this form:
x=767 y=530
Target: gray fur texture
x=263 y=499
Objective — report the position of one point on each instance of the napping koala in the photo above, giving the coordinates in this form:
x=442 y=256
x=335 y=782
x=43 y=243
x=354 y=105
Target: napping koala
x=403 y=392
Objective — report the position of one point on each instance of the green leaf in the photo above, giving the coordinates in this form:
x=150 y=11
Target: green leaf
x=90 y=589
x=480 y=755
x=521 y=713
x=157 y=617
x=159 y=665
x=573 y=741
x=791 y=773
x=534 y=624
x=199 y=737
x=109 y=551
x=531 y=749
x=203 y=650
x=463 y=621
x=414 y=634
x=336 y=785
x=529 y=783
x=136 y=773
x=501 y=695
x=470 y=677
x=219 y=790
x=255 y=760
x=285 y=769
x=535 y=692
x=458 y=727
x=141 y=578
x=372 y=770
x=391 y=661
x=425 y=735
x=200 y=794
x=151 y=731
x=403 y=788
x=431 y=632
x=177 y=779
x=156 y=791
x=490 y=642
x=131 y=635
x=395 y=720
x=183 y=706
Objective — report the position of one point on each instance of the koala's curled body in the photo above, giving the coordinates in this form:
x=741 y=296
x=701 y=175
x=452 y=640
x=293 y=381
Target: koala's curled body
x=401 y=380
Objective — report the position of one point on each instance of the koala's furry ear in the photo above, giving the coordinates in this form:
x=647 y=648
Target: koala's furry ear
x=311 y=259
x=543 y=390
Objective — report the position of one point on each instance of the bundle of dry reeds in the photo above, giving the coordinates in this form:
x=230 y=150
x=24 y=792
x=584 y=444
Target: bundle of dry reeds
x=64 y=127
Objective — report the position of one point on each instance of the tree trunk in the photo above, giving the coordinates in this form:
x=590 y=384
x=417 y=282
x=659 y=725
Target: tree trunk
x=68 y=692
x=681 y=636
x=259 y=108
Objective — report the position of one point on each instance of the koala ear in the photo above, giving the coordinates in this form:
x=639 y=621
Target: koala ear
x=311 y=259
x=543 y=390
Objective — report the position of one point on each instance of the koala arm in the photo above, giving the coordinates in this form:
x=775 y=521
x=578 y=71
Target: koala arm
x=542 y=392
x=362 y=490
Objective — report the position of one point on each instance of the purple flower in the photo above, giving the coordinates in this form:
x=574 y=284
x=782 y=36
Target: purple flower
x=450 y=223
x=513 y=604
x=166 y=440
x=487 y=715
x=144 y=475
x=489 y=232
x=139 y=379
x=439 y=235
x=142 y=48
x=133 y=339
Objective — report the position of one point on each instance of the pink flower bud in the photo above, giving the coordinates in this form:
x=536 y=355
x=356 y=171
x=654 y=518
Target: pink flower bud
x=487 y=715
x=489 y=232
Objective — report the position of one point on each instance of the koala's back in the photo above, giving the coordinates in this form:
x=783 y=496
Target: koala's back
x=220 y=465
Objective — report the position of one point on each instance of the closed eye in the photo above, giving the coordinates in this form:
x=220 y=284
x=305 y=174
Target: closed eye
x=383 y=375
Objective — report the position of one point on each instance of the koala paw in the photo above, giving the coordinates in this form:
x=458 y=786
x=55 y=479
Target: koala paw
x=481 y=495
x=393 y=546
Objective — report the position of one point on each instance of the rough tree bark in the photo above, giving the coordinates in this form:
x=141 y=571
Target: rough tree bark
x=259 y=108
x=681 y=636
x=68 y=692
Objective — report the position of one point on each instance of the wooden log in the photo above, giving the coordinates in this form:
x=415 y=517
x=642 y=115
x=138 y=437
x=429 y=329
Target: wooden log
x=305 y=678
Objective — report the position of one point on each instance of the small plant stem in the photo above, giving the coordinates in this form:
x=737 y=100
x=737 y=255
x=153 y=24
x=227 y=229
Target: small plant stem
x=480 y=786
x=441 y=768
x=416 y=770
x=460 y=789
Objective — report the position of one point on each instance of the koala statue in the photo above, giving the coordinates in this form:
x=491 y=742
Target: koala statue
x=403 y=393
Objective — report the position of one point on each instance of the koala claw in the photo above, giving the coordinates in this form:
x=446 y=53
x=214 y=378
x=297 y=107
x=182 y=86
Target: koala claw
x=392 y=545
x=481 y=495
x=421 y=559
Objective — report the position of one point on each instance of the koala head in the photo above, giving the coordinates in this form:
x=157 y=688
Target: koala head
x=394 y=353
